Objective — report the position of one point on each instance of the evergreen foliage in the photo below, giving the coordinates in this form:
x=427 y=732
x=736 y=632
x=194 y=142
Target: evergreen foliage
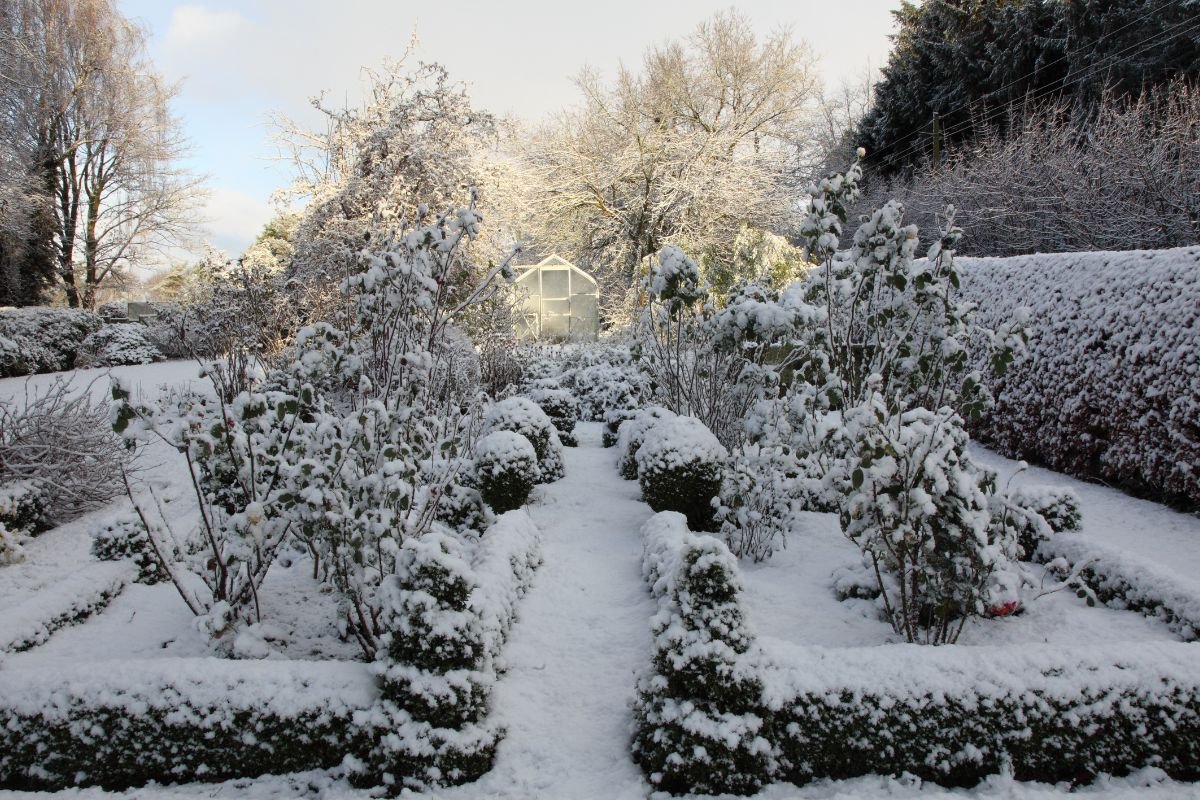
x=964 y=62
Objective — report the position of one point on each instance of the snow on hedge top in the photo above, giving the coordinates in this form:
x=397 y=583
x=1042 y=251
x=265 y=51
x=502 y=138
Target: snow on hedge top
x=1111 y=388
x=500 y=450
x=285 y=689
x=1103 y=675
x=632 y=432
x=679 y=442
x=517 y=414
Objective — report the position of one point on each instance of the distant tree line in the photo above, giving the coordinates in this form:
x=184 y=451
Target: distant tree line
x=958 y=67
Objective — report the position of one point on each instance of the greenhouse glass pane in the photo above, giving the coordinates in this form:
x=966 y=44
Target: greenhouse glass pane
x=555 y=283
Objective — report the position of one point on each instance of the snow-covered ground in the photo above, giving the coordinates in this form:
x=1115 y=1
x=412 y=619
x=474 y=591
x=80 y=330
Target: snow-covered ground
x=583 y=633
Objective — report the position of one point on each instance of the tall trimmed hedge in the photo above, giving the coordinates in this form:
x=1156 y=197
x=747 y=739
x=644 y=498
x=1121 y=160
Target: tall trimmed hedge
x=1111 y=388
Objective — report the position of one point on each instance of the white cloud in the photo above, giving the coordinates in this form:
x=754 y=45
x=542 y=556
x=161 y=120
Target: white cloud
x=234 y=219
x=191 y=25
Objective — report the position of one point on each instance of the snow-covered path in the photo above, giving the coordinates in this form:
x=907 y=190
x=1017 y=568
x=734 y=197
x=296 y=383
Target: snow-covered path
x=582 y=635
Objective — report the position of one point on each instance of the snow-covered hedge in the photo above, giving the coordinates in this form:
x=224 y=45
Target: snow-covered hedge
x=951 y=715
x=697 y=721
x=418 y=716
x=1122 y=579
x=954 y=715
x=680 y=466
x=77 y=596
x=506 y=468
x=126 y=538
x=116 y=345
x=1111 y=387
x=522 y=415
x=177 y=719
x=34 y=340
x=448 y=616
x=1033 y=512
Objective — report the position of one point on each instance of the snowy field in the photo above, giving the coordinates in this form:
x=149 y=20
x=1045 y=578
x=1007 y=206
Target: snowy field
x=570 y=665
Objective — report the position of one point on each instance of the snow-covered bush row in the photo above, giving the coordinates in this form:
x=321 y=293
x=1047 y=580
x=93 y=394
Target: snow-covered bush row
x=602 y=377
x=415 y=717
x=1111 y=387
x=117 y=345
x=448 y=616
x=177 y=719
x=1123 y=580
x=77 y=596
x=697 y=721
x=955 y=715
x=35 y=340
x=522 y=416
x=680 y=466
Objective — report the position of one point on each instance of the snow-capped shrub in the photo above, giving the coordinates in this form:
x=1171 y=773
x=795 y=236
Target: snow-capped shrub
x=706 y=362
x=613 y=418
x=113 y=310
x=12 y=550
x=447 y=620
x=955 y=715
x=522 y=415
x=758 y=500
x=506 y=468
x=116 y=345
x=461 y=508
x=916 y=508
x=434 y=644
x=631 y=433
x=347 y=446
x=178 y=332
x=59 y=436
x=697 y=729
x=1111 y=388
x=1034 y=513
x=23 y=506
x=680 y=466
x=165 y=720
x=46 y=339
x=562 y=407
x=124 y=537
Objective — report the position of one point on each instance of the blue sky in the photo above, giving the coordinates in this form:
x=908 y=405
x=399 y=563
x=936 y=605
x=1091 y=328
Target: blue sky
x=239 y=61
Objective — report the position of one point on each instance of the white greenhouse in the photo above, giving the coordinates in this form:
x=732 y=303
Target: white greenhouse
x=561 y=302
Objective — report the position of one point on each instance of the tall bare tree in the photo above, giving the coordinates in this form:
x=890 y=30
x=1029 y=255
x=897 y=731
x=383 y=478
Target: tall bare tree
x=708 y=136
x=96 y=116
